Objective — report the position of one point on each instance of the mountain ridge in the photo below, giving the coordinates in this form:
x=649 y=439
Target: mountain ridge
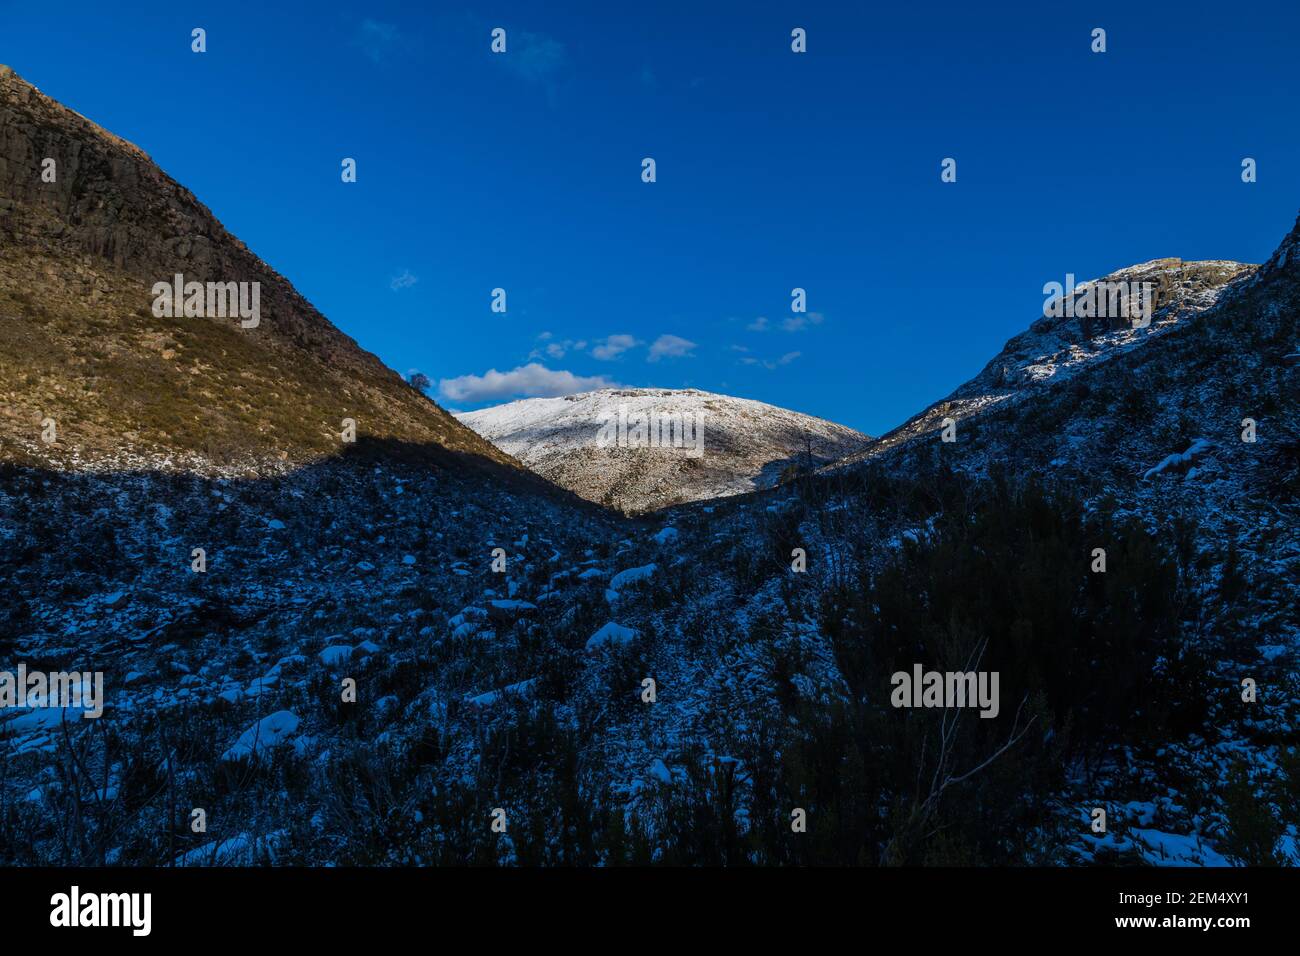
x=82 y=347
x=1050 y=351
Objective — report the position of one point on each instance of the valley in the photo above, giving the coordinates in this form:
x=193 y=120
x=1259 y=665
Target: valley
x=431 y=645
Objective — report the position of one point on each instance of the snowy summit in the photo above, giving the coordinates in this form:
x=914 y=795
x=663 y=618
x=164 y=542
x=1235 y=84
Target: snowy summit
x=640 y=449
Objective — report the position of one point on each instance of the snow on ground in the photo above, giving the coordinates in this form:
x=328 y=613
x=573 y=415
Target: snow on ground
x=269 y=732
x=1180 y=461
x=611 y=633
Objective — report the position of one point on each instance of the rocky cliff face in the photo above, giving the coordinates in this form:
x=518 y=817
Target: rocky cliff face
x=1066 y=341
x=733 y=445
x=82 y=242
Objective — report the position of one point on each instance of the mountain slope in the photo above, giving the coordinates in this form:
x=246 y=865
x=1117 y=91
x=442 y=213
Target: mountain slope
x=1054 y=349
x=745 y=444
x=499 y=643
x=526 y=683
x=1121 y=536
x=80 y=343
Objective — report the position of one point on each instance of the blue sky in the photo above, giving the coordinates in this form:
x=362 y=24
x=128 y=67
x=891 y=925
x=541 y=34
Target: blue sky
x=774 y=171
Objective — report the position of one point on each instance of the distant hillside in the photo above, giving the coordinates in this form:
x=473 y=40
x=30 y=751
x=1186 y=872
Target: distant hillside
x=745 y=445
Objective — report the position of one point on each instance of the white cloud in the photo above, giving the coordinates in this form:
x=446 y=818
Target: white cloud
x=554 y=348
x=613 y=346
x=527 y=381
x=377 y=40
x=670 y=346
x=797 y=323
x=403 y=281
x=537 y=58
x=770 y=364
x=758 y=325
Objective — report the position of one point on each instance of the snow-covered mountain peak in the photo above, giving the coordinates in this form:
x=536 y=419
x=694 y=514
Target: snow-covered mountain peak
x=639 y=449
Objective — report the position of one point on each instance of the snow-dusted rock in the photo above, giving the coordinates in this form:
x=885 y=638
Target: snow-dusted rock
x=667 y=535
x=507 y=609
x=611 y=633
x=116 y=600
x=335 y=654
x=1180 y=461
x=522 y=688
x=269 y=732
x=632 y=577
